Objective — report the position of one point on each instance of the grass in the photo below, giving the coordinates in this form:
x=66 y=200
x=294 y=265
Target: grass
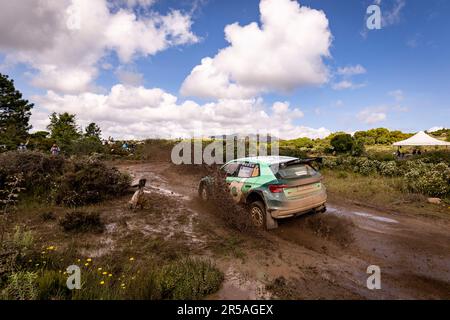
x=380 y=192
x=160 y=269
x=41 y=275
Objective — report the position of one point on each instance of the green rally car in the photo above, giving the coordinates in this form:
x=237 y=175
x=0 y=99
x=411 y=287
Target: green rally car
x=273 y=187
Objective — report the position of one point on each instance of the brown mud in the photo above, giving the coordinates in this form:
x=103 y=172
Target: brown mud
x=320 y=256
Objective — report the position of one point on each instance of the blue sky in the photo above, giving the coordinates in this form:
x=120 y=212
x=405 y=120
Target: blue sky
x=403 y=80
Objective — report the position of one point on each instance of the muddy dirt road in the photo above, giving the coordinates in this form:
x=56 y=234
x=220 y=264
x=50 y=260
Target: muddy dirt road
x=321 y=256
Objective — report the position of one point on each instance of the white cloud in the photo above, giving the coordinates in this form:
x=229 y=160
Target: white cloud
x=133 y=3
x=351 y=70
x=128 y=111
x=371 y=116
x=283 y=53
x=347 y=84
x=64 y=40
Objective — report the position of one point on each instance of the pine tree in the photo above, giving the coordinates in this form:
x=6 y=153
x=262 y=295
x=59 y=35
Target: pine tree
x=15 y=114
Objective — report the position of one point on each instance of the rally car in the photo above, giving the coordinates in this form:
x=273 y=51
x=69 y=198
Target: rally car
x=272 y=187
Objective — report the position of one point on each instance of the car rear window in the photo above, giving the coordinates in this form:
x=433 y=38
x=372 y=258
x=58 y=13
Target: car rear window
x=296 y=171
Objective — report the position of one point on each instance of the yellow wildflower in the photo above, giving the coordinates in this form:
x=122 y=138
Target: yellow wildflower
x=110 y=275
x=104 y=272
x=86 y=264
x=88 y=259
x=102 y=282
x=131 y=259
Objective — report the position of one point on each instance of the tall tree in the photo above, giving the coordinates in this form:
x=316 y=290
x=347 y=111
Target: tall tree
x=15 y=114
x=93 y=131
x=63 y=128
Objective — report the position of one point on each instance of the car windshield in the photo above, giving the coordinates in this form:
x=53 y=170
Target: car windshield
x=296 y=171
x=230 y=169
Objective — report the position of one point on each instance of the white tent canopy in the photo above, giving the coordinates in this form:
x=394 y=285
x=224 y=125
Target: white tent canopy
x=421 y=139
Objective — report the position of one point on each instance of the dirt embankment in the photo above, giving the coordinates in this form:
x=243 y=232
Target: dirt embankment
x=311 y=257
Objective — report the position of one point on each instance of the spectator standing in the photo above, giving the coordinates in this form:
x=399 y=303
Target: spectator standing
x=55 y=150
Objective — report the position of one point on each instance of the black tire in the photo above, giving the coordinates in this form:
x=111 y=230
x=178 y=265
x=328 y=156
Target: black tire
x=257 y=212
x=203 y=193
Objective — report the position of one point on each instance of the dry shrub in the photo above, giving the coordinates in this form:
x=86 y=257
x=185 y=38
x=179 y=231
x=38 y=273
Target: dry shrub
x=38 y=169
x=68 y=182
x=90 y=182
x=78 y=221
x=47 y=216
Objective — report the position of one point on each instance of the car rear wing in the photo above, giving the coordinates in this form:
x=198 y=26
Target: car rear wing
x=308 y=161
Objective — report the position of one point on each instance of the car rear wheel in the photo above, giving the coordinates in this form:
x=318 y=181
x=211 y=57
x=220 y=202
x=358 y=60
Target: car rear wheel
x=203 y=193
x=258 y=214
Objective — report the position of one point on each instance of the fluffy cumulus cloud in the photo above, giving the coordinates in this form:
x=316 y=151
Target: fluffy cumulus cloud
x=64 y=41
x=284 y=52
x=139 y=112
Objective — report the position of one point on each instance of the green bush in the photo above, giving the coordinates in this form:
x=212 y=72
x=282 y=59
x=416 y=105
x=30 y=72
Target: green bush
x=342 y=142
x=189 y=279
x=389 y=168
x=418 y=176
x=432 y=180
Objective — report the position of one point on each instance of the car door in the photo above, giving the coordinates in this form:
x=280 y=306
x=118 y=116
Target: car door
x=243 y=180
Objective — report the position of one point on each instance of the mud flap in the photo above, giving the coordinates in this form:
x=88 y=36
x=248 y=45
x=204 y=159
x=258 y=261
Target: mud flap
x=271 y=223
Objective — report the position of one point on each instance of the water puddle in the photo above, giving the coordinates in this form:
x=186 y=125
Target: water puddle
x=361 y=214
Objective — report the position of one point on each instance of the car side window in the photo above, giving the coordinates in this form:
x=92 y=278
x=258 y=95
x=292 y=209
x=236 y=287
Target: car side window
x=231 y=169
x=248 y=170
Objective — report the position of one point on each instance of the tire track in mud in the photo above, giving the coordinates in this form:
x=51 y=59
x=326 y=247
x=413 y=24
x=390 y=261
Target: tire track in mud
x=314 y=257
